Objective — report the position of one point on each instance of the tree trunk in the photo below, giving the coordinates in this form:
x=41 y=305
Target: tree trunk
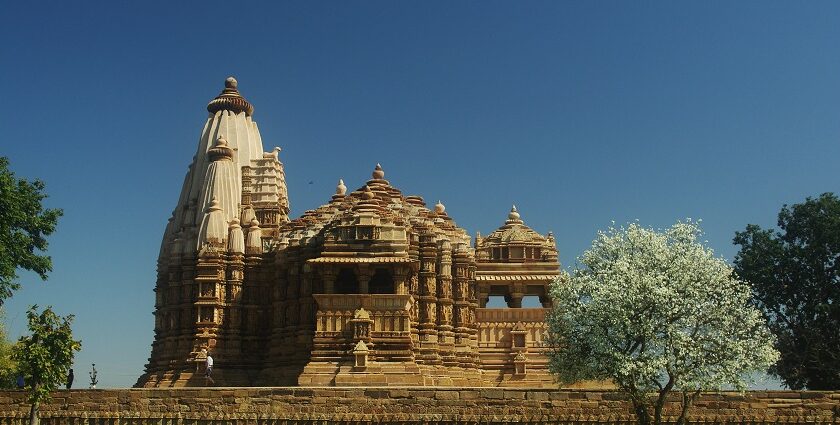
x=642 y=414
x=662 y=398
x=687 y=401
x=33 y=414
x=657 y=413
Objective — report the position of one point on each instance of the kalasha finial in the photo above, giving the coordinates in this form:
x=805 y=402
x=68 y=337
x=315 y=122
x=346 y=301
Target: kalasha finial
x=230 y=100
x=378 y=173
x=367 y=194
x=514 y=214
x=440 y=208
x=341 y=189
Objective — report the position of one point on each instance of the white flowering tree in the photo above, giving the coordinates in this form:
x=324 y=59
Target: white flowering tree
x=656 y=313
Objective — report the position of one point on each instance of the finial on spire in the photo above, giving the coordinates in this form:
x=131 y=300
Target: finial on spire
x=341 y=189
x=514 y=214
x=367 y=194
x=230 y=100
x=378 y=173
x=440 y=208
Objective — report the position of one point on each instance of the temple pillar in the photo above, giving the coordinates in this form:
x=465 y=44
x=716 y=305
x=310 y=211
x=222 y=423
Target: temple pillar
x=401 y=280
x=233 y=302
x=446 y=337
x=461 y=313
x=428 y=296
x=363 y=274
x=514 y=298
x=328 y=276
x=483 y=295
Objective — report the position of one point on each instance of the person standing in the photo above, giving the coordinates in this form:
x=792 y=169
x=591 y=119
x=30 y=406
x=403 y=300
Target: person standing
x=208 y=370
x=70 y=379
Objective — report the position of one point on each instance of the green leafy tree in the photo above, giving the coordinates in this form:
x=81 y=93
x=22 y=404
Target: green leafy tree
x=656 y=313
x=24 y=226
x=45 y=356
x=8 y=367
x=795 y=278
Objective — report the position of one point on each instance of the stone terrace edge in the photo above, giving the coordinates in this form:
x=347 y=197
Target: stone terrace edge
x=293 y=405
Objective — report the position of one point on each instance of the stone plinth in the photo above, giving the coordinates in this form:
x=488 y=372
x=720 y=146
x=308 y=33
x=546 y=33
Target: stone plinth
x=450 y=405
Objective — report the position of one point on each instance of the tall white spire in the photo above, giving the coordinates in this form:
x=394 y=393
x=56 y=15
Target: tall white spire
x=229 y=141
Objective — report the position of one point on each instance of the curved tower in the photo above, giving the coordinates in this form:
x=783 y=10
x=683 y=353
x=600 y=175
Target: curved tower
x=202 y=256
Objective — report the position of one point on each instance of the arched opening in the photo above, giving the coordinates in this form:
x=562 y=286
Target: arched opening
x=346 y=282
x=381 y=283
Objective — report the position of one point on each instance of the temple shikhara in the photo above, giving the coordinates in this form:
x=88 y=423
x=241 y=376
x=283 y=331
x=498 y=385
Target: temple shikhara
x=373 y=287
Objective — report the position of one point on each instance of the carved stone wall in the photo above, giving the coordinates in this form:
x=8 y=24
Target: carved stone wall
x=403 y=405
x=510 y=346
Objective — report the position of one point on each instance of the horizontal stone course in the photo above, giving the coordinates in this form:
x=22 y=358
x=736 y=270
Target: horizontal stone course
x=257 y=406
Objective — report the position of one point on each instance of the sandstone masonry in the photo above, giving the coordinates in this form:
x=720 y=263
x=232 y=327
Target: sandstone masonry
x=374 y=287
x=427 y=405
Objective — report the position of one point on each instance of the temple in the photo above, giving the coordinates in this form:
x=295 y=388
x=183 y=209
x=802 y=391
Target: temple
x=371 y=288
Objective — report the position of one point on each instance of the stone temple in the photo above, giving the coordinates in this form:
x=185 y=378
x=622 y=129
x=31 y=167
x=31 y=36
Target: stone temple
x=372 y=288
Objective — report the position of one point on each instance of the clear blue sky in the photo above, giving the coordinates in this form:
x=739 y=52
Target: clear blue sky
x=579 y=112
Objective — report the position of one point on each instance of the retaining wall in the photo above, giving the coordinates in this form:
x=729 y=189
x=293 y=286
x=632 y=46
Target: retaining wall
x=280 y=406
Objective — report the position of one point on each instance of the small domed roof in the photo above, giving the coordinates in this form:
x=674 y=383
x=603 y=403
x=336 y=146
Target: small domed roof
x=514 y=231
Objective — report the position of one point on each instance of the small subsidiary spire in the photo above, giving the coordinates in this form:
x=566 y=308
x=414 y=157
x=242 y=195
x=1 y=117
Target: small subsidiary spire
x=236 y=239
x=220 y=151
x=367 y=193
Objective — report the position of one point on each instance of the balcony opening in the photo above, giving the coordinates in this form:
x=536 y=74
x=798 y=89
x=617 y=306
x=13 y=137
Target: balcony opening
x=496 y=301
x=531 y=301
x=382 y=282
x=346 y=282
